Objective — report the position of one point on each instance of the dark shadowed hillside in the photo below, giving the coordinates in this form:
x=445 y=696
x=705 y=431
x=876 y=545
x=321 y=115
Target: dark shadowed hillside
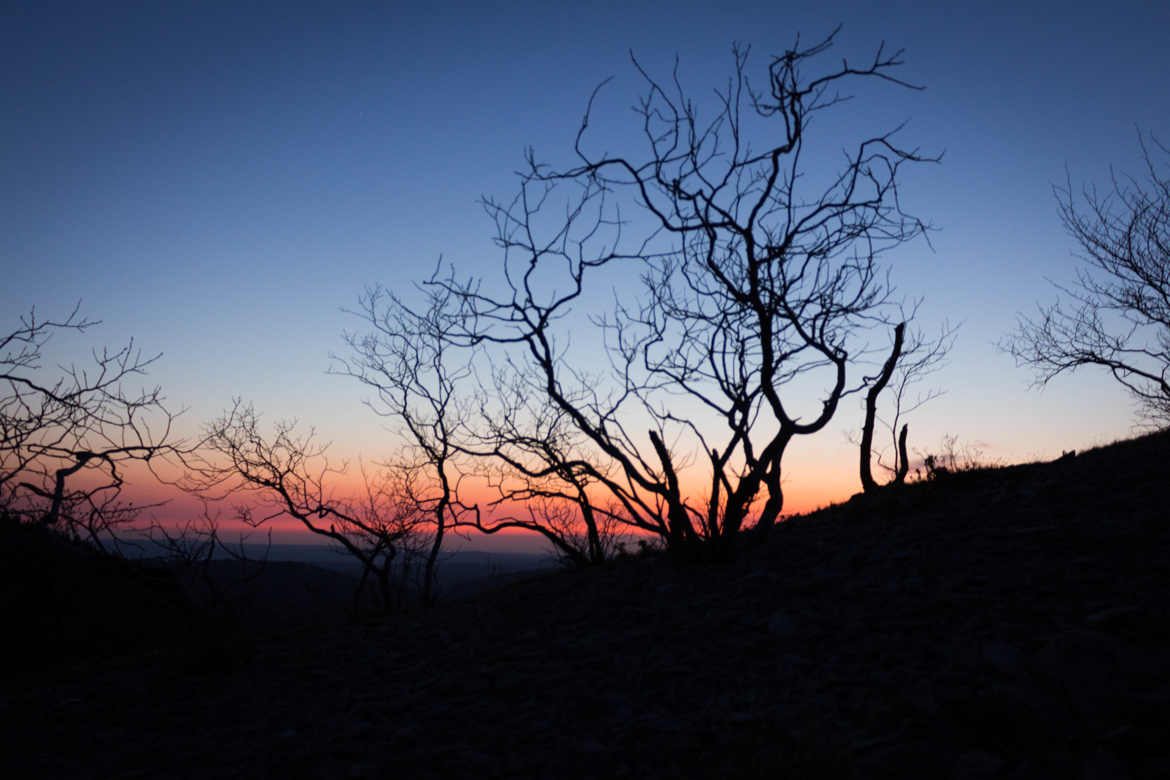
x=1002 y=623
x=64 y=603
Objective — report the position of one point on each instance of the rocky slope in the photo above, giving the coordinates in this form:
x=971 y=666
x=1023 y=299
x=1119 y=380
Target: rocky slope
x=1002 y=623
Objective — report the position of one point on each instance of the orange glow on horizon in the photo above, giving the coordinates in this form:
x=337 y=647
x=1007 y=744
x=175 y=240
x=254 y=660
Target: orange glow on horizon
x=806 y=488
x=179 y=507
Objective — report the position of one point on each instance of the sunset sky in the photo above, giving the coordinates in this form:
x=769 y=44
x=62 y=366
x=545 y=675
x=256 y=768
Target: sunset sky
x=219 y=180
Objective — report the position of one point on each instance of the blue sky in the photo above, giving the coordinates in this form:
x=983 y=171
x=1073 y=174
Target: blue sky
x=219 y=180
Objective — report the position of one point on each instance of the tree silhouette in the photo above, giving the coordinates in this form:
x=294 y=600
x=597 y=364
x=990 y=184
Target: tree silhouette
x=280 y=472
x=910 y=360
x=67 y=439
x=1117 y=314
x=754 y=277
x=426 y=386
x=191 y=548
x=533 y=457
x=405 y=358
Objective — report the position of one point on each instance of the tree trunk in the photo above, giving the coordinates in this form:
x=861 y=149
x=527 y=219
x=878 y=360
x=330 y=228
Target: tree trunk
x=903 y=466
x=428 y=593
x=867 y=482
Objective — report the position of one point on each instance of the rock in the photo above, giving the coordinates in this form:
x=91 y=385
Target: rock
x=1002 y=657
x=781 y=625
x=1083 y=663
x=977 y=764
x=1103 y=765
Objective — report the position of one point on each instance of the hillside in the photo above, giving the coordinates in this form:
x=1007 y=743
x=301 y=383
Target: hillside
x=1002 y=623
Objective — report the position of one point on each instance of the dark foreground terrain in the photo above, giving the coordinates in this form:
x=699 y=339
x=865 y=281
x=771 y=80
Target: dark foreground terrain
x=1003 y=623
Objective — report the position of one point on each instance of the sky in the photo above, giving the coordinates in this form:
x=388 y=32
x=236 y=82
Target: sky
x=220 y=181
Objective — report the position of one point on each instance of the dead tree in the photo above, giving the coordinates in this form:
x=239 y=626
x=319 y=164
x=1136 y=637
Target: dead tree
x=192 y=548
x=68 y=439
x=283 y=473
x=753 y=276
x=425 y=384
x=871 y=398
x=405 y=358
x=532 y=456
x=1117 y=314
x=906 y=365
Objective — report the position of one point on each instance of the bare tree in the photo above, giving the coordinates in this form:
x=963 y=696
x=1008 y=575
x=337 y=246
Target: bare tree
x=756 y=277
x=284 y=473
x=535 y=463
x=871 y=398
x=1117 y=314
x=405 y=358
x=191 y=550
x=68 y=439
x=522 y=448
x=906 y=366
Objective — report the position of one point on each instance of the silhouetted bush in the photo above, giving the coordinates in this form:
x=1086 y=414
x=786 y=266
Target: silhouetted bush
x=952 y=459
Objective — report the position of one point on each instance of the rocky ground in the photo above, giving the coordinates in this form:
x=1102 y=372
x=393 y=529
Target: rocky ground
x=1003 y=623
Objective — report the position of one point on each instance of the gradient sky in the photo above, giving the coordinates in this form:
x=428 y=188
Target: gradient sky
x=219 y=180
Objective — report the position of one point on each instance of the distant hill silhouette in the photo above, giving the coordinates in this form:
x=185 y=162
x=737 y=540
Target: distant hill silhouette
x=1008 y=622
